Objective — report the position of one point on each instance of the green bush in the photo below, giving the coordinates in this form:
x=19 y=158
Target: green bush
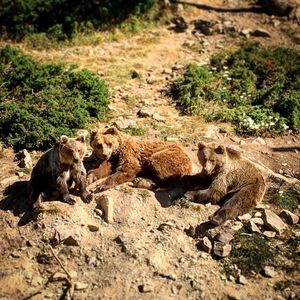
x=61 y=19
x=255 y=88
x=40 y=102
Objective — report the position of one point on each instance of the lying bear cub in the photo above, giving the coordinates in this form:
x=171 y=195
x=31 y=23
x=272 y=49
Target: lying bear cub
x=124 y=158
x=234 y=180
x=55 y=171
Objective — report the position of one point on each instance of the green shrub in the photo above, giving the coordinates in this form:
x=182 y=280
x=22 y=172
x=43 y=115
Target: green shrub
x=40 y=102
x=61 y=19
x=255 y=88
x=285 y=198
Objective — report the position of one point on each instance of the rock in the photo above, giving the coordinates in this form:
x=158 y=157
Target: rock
x=93 y=228
x=246 y=31
x=145 y=112
x=124 y=124
x=37 y=280
x=245 y=217
x=269 y=271
x=242 y=280
x=289 y=217
x=257 y=221
x=25 y=160
x=151 y=79
x=73 y=240
x=134 y=74
x=206 y=27
x=145 y=288
x=273 y=222
x=68 y=236
x=269 y=234
x=205 y=244
x=259 y=141
x=221 y=249
x=81 y=286
x=253 y=227
x=107 y=206
x=158 y=117
x=237 y=225
x=224 y=237
x=260 y=33
x=257 y=214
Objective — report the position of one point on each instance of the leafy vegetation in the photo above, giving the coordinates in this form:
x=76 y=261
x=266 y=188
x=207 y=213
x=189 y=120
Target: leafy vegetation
x=61 y=19
x=285 y=198
x=40 y=102
x=255 y=88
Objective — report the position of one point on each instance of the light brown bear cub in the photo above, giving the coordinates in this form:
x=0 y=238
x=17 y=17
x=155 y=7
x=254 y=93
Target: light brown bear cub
x=55 y=171
x=234 y=180
x=124 y=158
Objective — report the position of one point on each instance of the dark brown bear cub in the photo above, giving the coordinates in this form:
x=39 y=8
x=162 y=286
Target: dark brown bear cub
x=234 y=179
x=57 y=169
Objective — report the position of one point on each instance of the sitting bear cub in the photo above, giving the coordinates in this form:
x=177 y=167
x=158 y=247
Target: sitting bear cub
x=234 y=180
x=124 y=158
x=55 y=171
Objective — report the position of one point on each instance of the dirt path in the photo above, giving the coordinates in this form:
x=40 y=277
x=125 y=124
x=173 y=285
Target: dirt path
x=145 y=253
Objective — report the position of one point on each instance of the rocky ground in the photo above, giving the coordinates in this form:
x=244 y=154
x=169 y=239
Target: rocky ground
x=152 y=248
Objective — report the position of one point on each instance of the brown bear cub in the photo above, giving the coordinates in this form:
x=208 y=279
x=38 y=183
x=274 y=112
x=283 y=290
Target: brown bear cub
x=124 y=158
x=234 y=180
x=55 y=171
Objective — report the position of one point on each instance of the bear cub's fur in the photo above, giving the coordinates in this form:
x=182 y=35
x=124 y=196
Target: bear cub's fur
x=124 y=158
x=234 y=180
x=55 y=171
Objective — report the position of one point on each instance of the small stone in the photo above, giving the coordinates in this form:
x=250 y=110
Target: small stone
x=253 y=227
x=257 y=221
x=145 y=288
x=20 y=174
x=81 y=286
x=273 y=222
x=72 y=240
x=125 y=123
x=269 y=271
x=145 y=112
x=259 y=141
x=174 y=290
x=242 y=280
x=231 y=278
x=269 y=234
x=93 y=228
x=158 y=117
x=246 y=31
x=257 y=214
x=237 y=225
x=221 y=250
x=242 y=143
x=289 y=217
x=205 y=244
x=224 y=237
x=245 y=217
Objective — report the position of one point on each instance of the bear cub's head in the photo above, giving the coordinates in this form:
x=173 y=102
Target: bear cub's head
x=71 y=150
x=212 y=157
x=105 y=143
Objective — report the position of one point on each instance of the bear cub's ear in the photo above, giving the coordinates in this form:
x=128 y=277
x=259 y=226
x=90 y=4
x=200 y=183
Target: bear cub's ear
x=112 y=130
x=220 y=149
x=81 y=138
x=64 y=139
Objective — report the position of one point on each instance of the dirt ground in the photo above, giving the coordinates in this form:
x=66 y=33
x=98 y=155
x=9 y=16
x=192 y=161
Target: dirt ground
x=145 y=253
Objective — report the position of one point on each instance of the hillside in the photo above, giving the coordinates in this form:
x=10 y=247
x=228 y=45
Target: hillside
x=151 y=248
